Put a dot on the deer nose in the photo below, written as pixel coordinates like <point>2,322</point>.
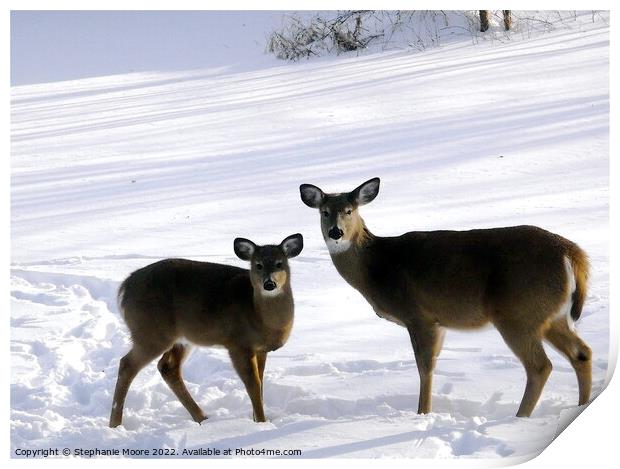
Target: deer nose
<point>269,285</point>
<point>335,233</point>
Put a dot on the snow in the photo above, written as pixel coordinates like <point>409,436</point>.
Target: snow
<point>112,173</point>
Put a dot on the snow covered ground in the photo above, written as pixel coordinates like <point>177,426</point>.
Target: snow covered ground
<point>112,173</point>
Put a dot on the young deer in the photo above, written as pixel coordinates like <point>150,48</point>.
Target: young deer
<point>175,301</point>
<point>529,283</point>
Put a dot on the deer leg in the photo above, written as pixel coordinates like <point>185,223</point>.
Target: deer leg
<point>246,365</point>
<point>578,353</point>
<point>527,346</point>
<point>128,368</point>
<point>261,358</point>
<point>169,367</point>
<point>426,341</point>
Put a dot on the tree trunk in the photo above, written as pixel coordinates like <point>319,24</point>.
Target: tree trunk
<point>507,19</point>
<point>484,20</point>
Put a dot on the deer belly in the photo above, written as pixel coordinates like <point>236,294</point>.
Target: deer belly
<point>458,319</point>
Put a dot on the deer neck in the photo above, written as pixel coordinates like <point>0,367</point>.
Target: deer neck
<point>275,311</point>
<point>350,263</point>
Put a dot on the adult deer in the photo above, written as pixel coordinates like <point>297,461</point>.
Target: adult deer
<point>529,283</point>
<point>175,301</point>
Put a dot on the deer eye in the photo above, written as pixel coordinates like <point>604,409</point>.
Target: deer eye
<point>279,265</point>
<point>348,212</point>
<point>259,266</point>
<point>325,213</point>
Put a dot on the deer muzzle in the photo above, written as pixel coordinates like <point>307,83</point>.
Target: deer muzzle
<point>335,233</point>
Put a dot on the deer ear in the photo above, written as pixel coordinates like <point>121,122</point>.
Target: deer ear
<point>366,192</point>
<point>292,245</point>
<point>244,248</point>
<point>311,195</point>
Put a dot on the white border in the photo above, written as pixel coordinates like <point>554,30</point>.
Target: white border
<point>591,441</point>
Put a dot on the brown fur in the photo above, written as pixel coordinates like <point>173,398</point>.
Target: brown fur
<point>514,278</point>
<point>207,304</point>
<point>581,267</point>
